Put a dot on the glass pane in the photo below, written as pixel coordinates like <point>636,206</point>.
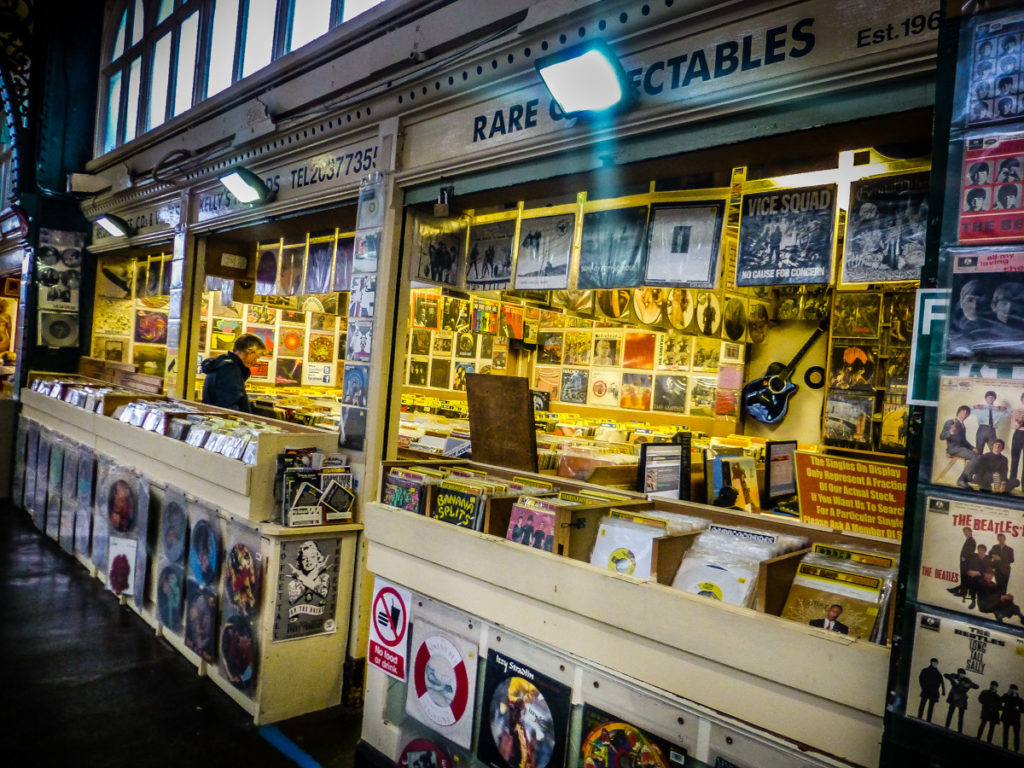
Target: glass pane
<point>310,19</point>
<point>137,22</point>
<point>131,110</point>
<point>159,77</point>
<point>259,35</point>
<point>354,7</point>
<point>186,63</point>
<point>113,112</point>
<point>119,40</point>
<point>222,46</point>
<point>166,6</point>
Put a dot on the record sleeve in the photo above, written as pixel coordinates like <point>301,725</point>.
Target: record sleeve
<point>439,251</point>
<point>990,210</point>
<point>707,354</point>
<point>525,717</point>
<point>727,582</point>
<point>817,590</point>
<point>544,251</point>
<point>682,243</point>
<point>550,345</point>
<point>848,419</point>
<point>853,365</point>
<point>625,547</point>
<point>489,259</point>
<point>968,556</point>
<point>856,314</point>
<point>973,673</point>
<point>55,477</point>
<point>674,351</point>
<point>442,685</point>
<point>991,94</point>
<point>638,350</point>
<point>120,572</point>
<point>574,387</point>
<point>69,498</point>
<point>603,735</point>
<point>648,304</point>
<point>986,318</point>
<point>532,527</point>
<point>420,342</point>
<point>636,391</point>
<point>702,395</point>
<point>670,393</point>
<point>615,304</point>
<point>577,348</point>
<point>238,642</point>
<point>549,380</point>
<point>605,387</point>
<point>612,248</point>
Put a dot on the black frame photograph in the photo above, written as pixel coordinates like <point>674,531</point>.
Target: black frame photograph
<point>683,242</point>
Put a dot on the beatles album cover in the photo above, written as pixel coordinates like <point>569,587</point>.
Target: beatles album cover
<point>544,251</point>
<point>856,314</point>
<point>525,717</point>
<point>885,229</point>
<point>419,368</point>
<point>994,89</point>
<point>990,210</point>
<point>967,678</point>
<point>612,248</point>
<point>603,735</point>
<point>787,236</point>
<point>459,378</point>
<point>489,259</point>
<point>968,558</point>
<point>986,316</point>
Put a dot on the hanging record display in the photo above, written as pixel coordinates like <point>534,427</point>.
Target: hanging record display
<point>525,718</point>
<point>612,248</point>
<point>489,260</point>
<point>121,499</point>
<point>442,687</point>
<point>238,647</point>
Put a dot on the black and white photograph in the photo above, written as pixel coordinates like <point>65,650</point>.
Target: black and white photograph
<point>544,251</point>
<point>440,250</point>
<point>885,229</point>
<point>682,243</point>
<point>612,248</point>
<point>489,255</point>
<point>986,315</point>
<point>993,95</point>
<point>787,236</point>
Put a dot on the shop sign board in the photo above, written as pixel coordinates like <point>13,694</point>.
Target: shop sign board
<point>312,176</point>
<point>851,494</point>
<point>152,220</point>
<point>931,312</point>
<point>389,629</point>
<point>777,50</point>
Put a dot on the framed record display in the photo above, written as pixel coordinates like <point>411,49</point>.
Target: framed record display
<point>442,683</point>
<point>787,237</point>
<point>885,229</point>
<point>489,256</point>
<point>439,251</point>
<point>848,419</point>
<point>544,251</point>
<point>611,248</point>
<point>525,717</point>
<point>682,243</point>
<point>853,365</point>
<point>990,210</point>
<point>986,318</point>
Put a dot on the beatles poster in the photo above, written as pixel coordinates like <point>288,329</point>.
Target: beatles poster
<point>489,258</point>
<point>990,192</point>
<point>682,244</point>
<point>986,317</point>
<point>885,229</point>
<point>525,716</point>
<point>307,588</point>
<point>995,87</point>
<point>968,679</point>
<point>544,252</point>
<point>612,248</point>
<point>968,557</point>
<point>786,237</point>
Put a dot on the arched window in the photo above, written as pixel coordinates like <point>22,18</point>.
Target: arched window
<point>164,56</point>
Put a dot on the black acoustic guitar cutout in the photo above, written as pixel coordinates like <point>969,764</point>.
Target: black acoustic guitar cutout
<point>766,399</point>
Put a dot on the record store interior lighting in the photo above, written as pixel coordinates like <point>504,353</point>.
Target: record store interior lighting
<point>115,226</point>
<point>246,186</point>
<point>586,79</point>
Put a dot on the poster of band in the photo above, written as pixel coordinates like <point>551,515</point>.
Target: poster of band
<point>489,259</point>
<point>307,588</point>
<point>968,557</point>
<point>682,244</point>
<point>440,249</point>
<point>524,718</point>
<point>787,237</point>
<point>990,191</point>
<point>977,436</point>
<point>885,229</point>
<point>612,248</point>
<point>986,317</point>
<point>544,252</point>
<point>967,678</point>
<point>994,88</point>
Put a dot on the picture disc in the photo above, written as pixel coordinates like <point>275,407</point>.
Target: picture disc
<point>59,329</point>
<point>421,753</point>
<point>519,713</point>
<point>238,649</point>
<point>241,581</point>
<point>441,680</point>
<point>121,505</point>
<point>174,532</point>
<point>715,581</point>
<point>170,596</point>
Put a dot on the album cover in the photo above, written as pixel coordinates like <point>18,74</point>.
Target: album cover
<point>638,350</point>
<point>318,267</point>
<point>675,351</point>
<point>577,348</point>
<point>459,376</point>
<point>977,418</point>
<point>786,237</point>
<point>307,588</point>
<point>758,321</point>
<point>204,550</point>
<point>990,210</point>
<point>707,314</point>
<point>574,387</point>
<point>525,717</point>
<point>895,427</point>
<point>356,385</point>
<point>68,498</point>
<point>549,347</point>
<point>856,314</point>
<point>670,393</point>
<point>362,296</point>
<point>682,243</point>
<point>418,371</point>
<point>489,260</point>
<point>612,248</point>
<point>732,482</point>
<point>238,648</point>
<point>897,368</point>
<point>853,365</point>
<point>443,343</point>
<point>55,477</point>
<point>603,735</point>
<point>426,310</point>
<point>615,304</point>
<point>605,387</point>
<point>974,673</point>
<point>994,88</point>
<point>441,692</point>
<point>465,345</point>
<point>899,314</point>
<point>706,354</point>
<point>170,596</point>
<point>986,316</point>
<point>456,317</point>
<point>544,251</point>
<point>734,318</point>
<point>679,309</point>
<point>648,304</point>
<point>510,322</point>
<point>532,526</point>
<point>359,342</point>
<point>485,346</point>
<point>968,556</point>
<point>120,571</point>
<point>288,372</point>
<point>458,507</point>
<point>849,601</point>
<point>848,419</point>
<point>365,251</point>
<point>500,355</point>
<point>885,229</point>
<point>440,372</point>
<point>84,511</point>
<point>485,315</point>
<point>404,493</point>
<point>702,395</point>
<point>115,278</point>
<point>636,391</point>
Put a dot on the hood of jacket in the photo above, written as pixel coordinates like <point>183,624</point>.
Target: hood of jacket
<point>211,364</point>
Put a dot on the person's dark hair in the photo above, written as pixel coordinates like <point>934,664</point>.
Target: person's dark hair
<point>975,194</point>
<point>991,393</point>
<point>1005,193</point>
<point>248,341</point>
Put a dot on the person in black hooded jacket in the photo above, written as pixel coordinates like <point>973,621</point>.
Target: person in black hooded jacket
<point>226,375</point>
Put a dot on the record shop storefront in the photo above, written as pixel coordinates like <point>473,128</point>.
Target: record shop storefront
<point>726,101</point>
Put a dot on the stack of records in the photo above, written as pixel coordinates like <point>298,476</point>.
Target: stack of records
<point>625,543</point>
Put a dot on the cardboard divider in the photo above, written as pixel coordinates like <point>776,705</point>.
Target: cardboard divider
<point>668,553</point>
<point>774,578</point>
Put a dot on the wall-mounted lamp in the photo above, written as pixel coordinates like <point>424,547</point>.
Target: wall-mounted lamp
<point>114,225</point>
<point>586,79</point>
<point>246,186</point>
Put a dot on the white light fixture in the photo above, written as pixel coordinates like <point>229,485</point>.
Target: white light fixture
<point>246,186</point>
<point>585,79</point>
<point>114,225</point>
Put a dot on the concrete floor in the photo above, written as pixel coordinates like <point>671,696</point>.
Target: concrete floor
<point>84,681</point>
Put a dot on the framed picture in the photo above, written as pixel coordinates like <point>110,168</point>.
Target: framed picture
<point>489,256</point>
<point>682,243</point>
<point>440,250</point>
<point>612,248</point>
<point>318,267</point>
<point>544,251</point>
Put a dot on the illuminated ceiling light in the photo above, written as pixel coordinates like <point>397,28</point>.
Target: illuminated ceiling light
<point>246,186</point>
<point>585,79</point>
<point>114,225</point>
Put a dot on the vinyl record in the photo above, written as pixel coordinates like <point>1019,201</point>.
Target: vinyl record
<point>175,532</point>
<point>58,329</point>
<point>726,583</point>
<point>238,650</point>
<point>122,504</point>
<point>170,595</point>
<point>421,753</point>
<point>241,580</point>
<point>441,680</point>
